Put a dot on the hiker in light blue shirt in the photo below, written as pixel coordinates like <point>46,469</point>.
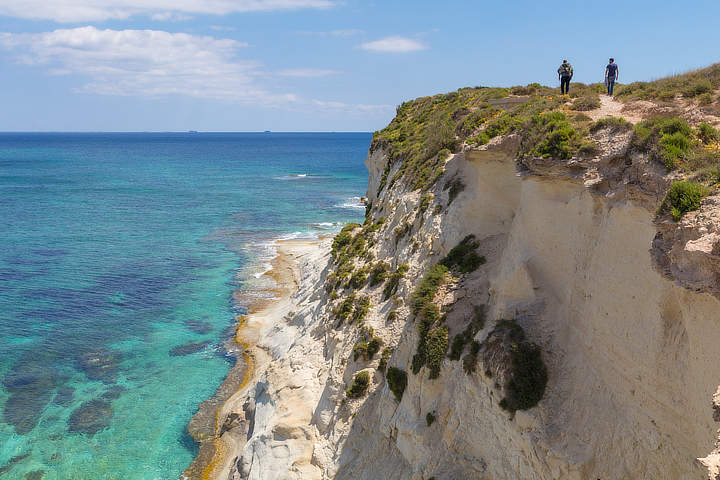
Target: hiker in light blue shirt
<point>612,74</point>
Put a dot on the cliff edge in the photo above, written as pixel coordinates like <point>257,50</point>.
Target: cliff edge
<point>533,294</point>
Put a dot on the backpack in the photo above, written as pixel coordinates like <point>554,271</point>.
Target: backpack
<point>565,69</point>
<point>612,70</point>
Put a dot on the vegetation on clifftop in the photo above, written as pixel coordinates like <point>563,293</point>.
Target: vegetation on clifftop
<point>427,130</point>
<point>690,85</point>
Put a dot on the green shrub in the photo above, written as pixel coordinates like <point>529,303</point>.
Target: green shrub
<point>457,347</point>
<point>425,200</point>
<point>690,84</point>
<point>397,382</point>
<point>527,375</point>
<point>345,309</point>
<point>667,139</point>
<point>430,418</point>
<point>367,350</point>
<point>359,386</point>
<point>528,380</point>
<point>378,273</point>
<point>394,280</point>
<point>707,133</point>
<point>698,87</point>
<point>463,256</point>
<point>425,292</point>
<point>373,347</point>
<point>331,282</point>
<point>588,102</point>
<point>550,135</point>
<point>470,360</point>
<point>343,238</point>
<point>461,339</point>
<point>440,137</point>
<point>436,348</point>
<point>401,231</point>
<point>613,123</point>
<point>433,340</point>
<point>705,99</point>
<point>455,186</point>
<point>384,358</point>
<point>359,278</point>
<point>683,197</point>
<point>674,147</point>
<point>362,306</point>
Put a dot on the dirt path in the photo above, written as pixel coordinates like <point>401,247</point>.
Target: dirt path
<point>609,107</point>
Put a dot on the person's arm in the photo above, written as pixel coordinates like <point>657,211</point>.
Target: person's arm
<point>617,73</point>
<point>606,72</point>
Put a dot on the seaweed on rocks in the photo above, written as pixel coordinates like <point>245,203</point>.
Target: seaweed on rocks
<point>91,417</point>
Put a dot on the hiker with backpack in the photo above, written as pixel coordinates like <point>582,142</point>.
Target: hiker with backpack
<point>612,74</point>
<point>565,74</point>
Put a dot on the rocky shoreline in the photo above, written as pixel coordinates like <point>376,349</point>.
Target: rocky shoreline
<point>221,424</point>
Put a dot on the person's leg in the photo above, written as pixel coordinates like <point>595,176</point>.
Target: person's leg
<point>564,85</point>
<point>611,86</point>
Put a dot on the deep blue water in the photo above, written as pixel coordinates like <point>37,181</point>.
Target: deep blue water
<point>116,248</point>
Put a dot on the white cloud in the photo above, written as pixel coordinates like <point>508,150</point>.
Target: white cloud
<point>306,72</point>
<point>94,10</point>
<point>170,17</point>
<point>394,44</point>
<point>334,33</point>
<point>352,107</point>
<point>146,63</point>
<point>222,28</point>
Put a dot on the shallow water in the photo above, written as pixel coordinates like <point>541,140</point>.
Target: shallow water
<point>119,254</point>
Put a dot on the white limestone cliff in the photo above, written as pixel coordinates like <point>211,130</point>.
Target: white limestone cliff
<point>623,307</point>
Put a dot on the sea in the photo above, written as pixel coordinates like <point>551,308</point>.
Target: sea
<point>119,257</point>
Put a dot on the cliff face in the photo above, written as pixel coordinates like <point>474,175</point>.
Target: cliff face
<point>622,306</point>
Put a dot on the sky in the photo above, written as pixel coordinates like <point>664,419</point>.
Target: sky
<point>313,65</point>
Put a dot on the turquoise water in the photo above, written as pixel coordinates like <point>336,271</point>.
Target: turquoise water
<point>115,250</point>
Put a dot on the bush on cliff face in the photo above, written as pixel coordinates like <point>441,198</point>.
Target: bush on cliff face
<point>359,386</point>
<point>345,309</point>
<point>362,306</point>
<point>384,358</point>
<point>477,322</point>
<point>378,273</point>
<point>394,280</point>
<point>463,257</point>
<point>433,342</point>
<point>528,379</point>
<point>397,382</point>
<point>683,197</point>
<point>526,374</point>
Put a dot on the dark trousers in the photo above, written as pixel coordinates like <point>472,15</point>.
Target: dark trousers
<point>610,85</point>
<point>564,84</point>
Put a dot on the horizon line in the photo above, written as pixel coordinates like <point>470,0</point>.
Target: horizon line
<point>194,132</point>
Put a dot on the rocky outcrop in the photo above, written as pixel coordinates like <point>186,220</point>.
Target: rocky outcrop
<point>689,251</point>
<point>620,305</point>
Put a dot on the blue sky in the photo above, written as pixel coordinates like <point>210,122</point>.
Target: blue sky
<point>312,65</point>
